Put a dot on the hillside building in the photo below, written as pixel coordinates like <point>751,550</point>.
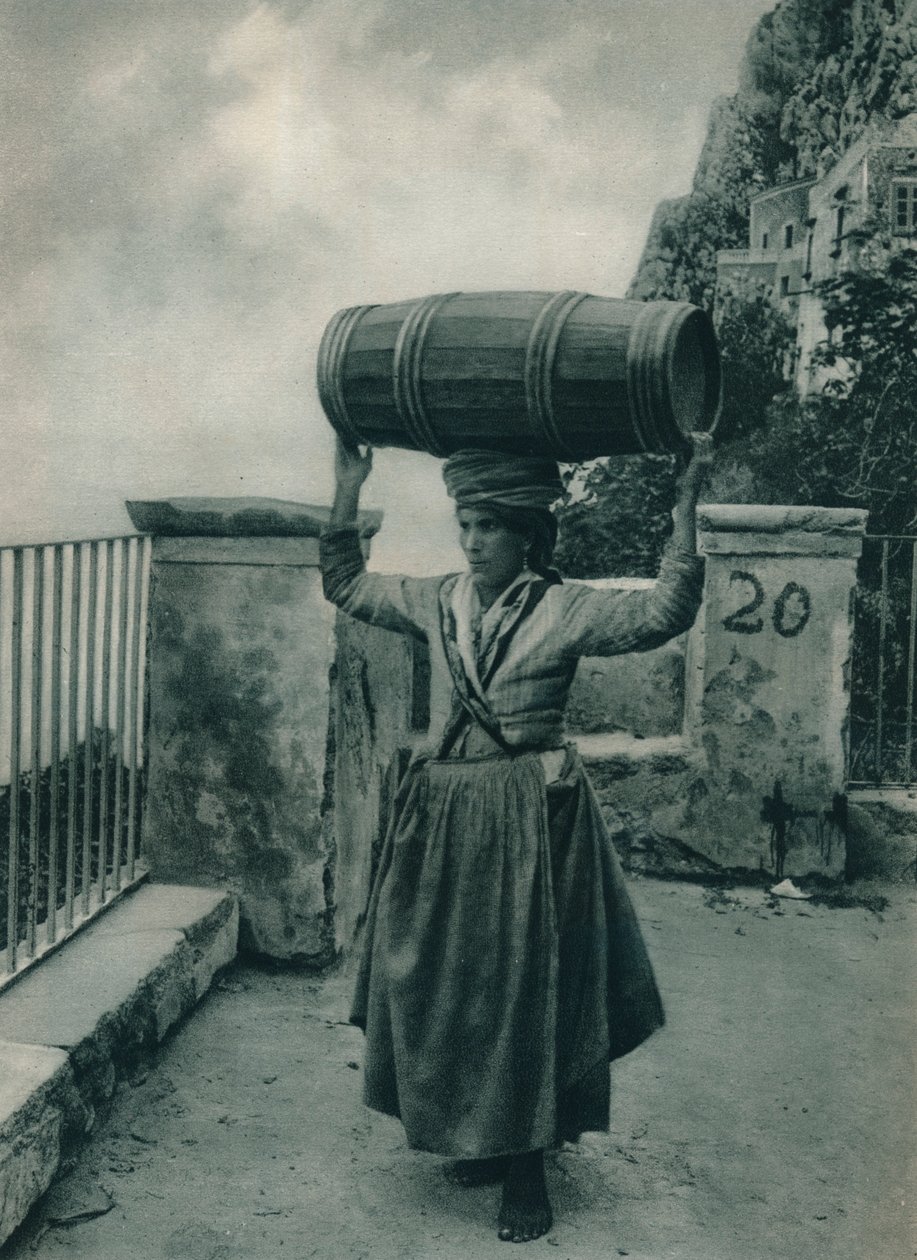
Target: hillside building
<point>805,232</point>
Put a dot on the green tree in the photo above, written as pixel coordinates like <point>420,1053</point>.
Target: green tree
<point>855,442</point>
<point>616,516</point>
<point>756,342</point>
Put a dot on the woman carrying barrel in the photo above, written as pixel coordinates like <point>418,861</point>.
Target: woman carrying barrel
<point>502,965</point>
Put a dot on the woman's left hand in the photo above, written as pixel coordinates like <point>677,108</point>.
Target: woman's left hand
<point>690,484</point>
<point>692,480</point>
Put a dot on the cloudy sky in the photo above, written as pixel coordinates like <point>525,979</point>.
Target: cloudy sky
<point>192,187</point>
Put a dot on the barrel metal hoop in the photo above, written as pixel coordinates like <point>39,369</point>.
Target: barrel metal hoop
<point>407,373</point>
<point>646,387</point>
<point>331,355</point>
<point>539,367</point>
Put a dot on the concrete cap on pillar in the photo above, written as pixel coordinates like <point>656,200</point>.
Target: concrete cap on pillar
<point>771,529</point>
<point>236,517</point>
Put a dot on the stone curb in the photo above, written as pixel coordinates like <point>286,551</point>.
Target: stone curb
<point>88,1014</point>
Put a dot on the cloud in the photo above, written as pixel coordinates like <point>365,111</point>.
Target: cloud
<point>193,189</point>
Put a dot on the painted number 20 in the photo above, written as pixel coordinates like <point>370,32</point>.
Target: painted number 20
<point>790,614</point>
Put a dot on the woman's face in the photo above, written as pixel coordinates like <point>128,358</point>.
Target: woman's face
<point>495,553</point>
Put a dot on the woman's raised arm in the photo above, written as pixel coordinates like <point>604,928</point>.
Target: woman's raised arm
<point>608,622</point>
<point>404,604</point>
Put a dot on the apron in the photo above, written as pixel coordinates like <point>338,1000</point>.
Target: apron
<point>502,965</point>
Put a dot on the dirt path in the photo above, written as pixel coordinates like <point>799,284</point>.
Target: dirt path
<point>773,1119</point>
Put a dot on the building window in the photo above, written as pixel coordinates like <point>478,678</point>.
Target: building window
<point>807,275</point>
<point>788,236</point>
<point>904,207</point>
<point>784,286</point>
<point>764,240</point>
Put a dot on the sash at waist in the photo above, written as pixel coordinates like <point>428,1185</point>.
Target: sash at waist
<point>476,742</point>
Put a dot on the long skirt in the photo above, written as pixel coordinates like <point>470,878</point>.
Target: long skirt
<point>502,963</point>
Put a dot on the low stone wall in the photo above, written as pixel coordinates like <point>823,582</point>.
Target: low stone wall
<point>731,741</point>
<point>643,692</point>
<point>882,834</point>
<point>88,1015</point>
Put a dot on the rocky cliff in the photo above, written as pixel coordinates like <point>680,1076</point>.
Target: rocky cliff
<point>816,74</point>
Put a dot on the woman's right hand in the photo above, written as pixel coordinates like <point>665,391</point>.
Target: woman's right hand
<point>351,467</point>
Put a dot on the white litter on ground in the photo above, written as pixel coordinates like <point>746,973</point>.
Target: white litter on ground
<point>786,888</point>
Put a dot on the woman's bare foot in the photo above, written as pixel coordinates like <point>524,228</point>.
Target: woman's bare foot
<point>477,1172</point>
<point>525,1213</point>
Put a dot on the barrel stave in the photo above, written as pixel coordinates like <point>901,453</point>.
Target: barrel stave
<point>589,385</point>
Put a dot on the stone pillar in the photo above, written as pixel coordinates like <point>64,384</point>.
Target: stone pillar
<point>768,685</point>
<point>241,649</point>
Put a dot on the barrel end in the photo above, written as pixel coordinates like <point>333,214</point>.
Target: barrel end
<point>674,377</point>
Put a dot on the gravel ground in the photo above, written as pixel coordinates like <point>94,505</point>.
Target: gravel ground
<point>773,1118</point>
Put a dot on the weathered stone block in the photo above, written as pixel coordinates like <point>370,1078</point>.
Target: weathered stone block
<point>641,693</point>
<point>240,656</point>
<point>773,530</point>
<point>103,1002</point>
<point>882,835</point>
<point>644,781</point>
<point>40,1113</point>
<point>768,687</point>
<point>28,1162</point>
<point>208,919</point>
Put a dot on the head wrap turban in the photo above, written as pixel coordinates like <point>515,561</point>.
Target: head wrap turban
<point>518,488</point>
<point>512,481</point>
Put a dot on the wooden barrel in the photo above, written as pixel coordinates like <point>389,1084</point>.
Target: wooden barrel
<point>566,374</point>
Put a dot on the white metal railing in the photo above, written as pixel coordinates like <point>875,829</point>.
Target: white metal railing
<point>72,669</point>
